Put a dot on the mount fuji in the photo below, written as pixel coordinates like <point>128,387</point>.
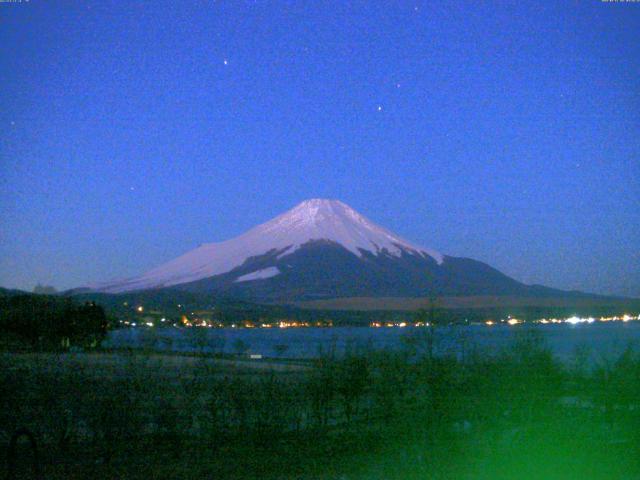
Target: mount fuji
<point>322,249</point>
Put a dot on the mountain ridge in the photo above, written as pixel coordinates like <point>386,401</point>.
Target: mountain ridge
<point>314,219</point>
<point>322,249</point>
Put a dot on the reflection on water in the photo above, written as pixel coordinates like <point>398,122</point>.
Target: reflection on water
<point>603,340</point>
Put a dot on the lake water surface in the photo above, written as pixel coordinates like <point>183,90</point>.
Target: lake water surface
<point>603,340</point>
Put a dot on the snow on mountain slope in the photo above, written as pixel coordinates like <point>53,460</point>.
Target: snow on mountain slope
<point>316,219</point>
<point>259,274</point>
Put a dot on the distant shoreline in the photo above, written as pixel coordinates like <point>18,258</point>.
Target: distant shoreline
<point>472,302</point>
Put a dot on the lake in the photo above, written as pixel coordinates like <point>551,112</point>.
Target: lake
<point>603,340</point>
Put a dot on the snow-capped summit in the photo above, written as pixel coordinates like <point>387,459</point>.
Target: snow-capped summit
<point>322,219</point>
<point>311,220</point>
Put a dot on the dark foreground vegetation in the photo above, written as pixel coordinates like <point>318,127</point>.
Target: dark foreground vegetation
<point>518,414</point>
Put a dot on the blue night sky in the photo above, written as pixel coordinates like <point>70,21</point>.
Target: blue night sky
<point>131,132</point>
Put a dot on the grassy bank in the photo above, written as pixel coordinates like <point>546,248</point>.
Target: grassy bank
<point>370,414</point>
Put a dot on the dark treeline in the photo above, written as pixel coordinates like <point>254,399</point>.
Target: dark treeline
<point>173,304</point>
<point>518,413</point>
<point>50,322</point>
